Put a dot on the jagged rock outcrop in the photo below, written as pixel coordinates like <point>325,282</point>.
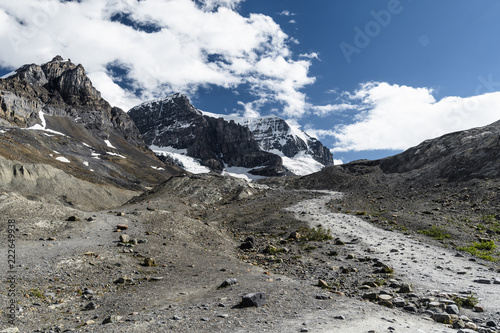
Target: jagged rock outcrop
<point>175,122</point>
<point>51,114</point>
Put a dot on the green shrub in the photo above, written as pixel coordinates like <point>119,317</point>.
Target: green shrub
<point>483,250</point>
<point>435,232</point>
<point>468,302</point>
<point>315,234</point>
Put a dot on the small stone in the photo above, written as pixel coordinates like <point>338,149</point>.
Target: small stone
<point>294,235</point>
<point>124,238</point>
<point>111,319</point>
<point>399,302</point>
<point>149,262</point>
<point>89,322</point>
<point>204,319</point>
<point>491,324</point>
<point>339,317</point>
<point>338,241</point>
<point>471,326</point>
<point>91,306</point>
<point>73,219</point>
<point>385,297</point>
<point>90,219</point>
<point>228,282</point>
<point>405,289</point>
<point>253,299</point>
<point>120,214</point>
<point>452,309</point>
<point>322,284</point>
<point>410,308</point>
<point>458,324</point>
<point>10,330</point>
<point>370,296</point>
<point>322,297</point>
<point>176,318</point>
<point>151,209</point>
<point>483,281</point>
<point>122,226</point>
<point>51,238</point>
<point>497,280</point>
<point>442,318</point>
<point>225,315</point>
<point>466,330</point>
<point>133,241</point>
<point>304,329</point>
<point>478,308</point>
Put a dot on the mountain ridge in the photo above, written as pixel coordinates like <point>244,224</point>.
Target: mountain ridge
<point>221,141</point>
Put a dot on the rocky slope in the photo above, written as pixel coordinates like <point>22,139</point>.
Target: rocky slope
<point>469,154</point>
<point>219,141</point>
<point>52,115</point>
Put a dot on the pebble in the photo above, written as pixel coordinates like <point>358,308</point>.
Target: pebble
<point>253,299</point>
<point>452,309</point>
<point>228,282</point>
<point>111,319</point>
<point>483,281</point>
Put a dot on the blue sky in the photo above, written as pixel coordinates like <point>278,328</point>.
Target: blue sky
<point>369,78</point>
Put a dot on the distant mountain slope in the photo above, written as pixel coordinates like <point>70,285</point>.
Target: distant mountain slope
<point>268,145</point>
<point>51,114</point>
<point>463,155</point>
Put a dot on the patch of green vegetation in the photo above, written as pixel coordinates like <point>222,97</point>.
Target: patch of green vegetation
<point>483,250</point>
<point>315,234</point>
<point>35,292</point>
<point>435,232</point>
<point>469,302</point>
<point>489,219</point>
<point>272,250</point>
<point>361,213</point>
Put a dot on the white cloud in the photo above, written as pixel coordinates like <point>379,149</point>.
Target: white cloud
<point>286,13</point>
<point>195,44</point>
<point>397,117</point>
<point>312,55</point>
<point>325,110</point>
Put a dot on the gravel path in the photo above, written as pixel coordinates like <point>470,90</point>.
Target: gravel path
<point>428,268</point>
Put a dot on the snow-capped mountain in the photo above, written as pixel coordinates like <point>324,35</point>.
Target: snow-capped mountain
<point>265,146</point>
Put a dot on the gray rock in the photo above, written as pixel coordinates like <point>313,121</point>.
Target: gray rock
<point>253,299</point>
<point>442,318</point>
<point>91,306</point>
<point>405,288</point>
<point>466,330</point>
<point>452,309</point>
<point>483,281</point>
<point>399,302</point>
<point>491,323</point>
<point>124,238</point>
<point>111,319</point>
<point>410,308</point>
<point>228,282</point>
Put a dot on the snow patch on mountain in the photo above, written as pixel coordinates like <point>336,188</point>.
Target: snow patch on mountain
<point>188,163</point>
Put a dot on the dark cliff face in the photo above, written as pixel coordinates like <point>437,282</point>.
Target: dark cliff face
<point>99,143</point>
<point>175,122</point>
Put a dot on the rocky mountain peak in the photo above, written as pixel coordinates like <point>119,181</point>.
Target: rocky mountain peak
<point>219,140</point>
<point>58,118</point>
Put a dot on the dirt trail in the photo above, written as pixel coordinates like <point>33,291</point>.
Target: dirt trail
<point>428,268</point>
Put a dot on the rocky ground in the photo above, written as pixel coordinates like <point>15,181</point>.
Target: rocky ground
<point>158,263</point>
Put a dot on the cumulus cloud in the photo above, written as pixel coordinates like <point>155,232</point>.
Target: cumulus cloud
<point>396,117</point>
<point>159,47</point>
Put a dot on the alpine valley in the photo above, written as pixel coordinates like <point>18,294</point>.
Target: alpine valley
<point>170,219</point>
